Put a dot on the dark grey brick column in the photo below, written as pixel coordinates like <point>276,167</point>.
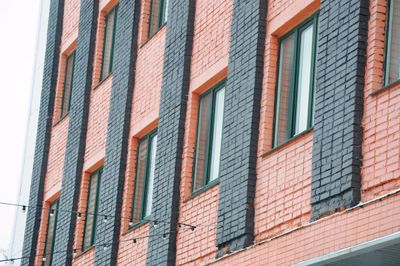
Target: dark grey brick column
<point>175,86</point>
<point>49,84</point>
<point>241,121</point>
<point>76,142</point>
<point>112,183</point>
<point>341,59</point>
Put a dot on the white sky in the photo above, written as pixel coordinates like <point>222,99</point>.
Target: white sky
<point>18,28</point>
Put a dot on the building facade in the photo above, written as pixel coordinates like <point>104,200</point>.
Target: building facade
<point>218,132</point>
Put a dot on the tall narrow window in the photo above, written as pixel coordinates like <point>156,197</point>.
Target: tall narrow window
<point>209,137</point>
<point>109,39</point>
<point>51,234</point>
<point>69,75</point>
<point>158,15</point>
<point>144,181</point>
<point>89,236</point>
<point>393,43</point>
<point>295,83</point>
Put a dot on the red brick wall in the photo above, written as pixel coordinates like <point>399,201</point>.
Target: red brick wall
<point>147,91</point>
<point>70,22</point>
<point>283,188</point>
<point>327,235</point>
<point>131,253</point>
<point>212,29</point>
<point>96,133</point>
<point>144,117</point>
<point>42,234</point>
<point>98,117</point>
<point>59,133</point>
<point>208,67</point>
<point>381,121</point>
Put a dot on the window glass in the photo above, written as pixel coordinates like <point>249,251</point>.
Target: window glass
<point>66,99</point>
<point>304,80</point>
<point>144,180</point>
<point>217,134</point>
<point>139,179</point>
<point>202,140</point>
<point>283,93</point>
<point>51,233</point>
<point>89,236</point>
<point>393,43</point>
<point>109,37</point>
<point>295,81</point>
<point>158,15</point>
<point>209,137</point>
<point>150,176</point>
<point>165,12</point>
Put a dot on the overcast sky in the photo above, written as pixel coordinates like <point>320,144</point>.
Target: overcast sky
<point>18,28</point>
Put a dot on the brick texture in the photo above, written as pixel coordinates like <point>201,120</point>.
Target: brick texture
<point>209,62</point>
<point>175,86</point>
<point>381,120</point>
<point>240,131</point>
<point>144,118</point>
<point>112,183</point>
<point>50,74</point>
<point>77,129</point>
<point>341,58</point>
<point>339,231</point>
<point>296,211</point>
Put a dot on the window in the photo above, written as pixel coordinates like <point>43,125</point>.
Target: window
<point>209,137</point>
<point>69,75</point>
<point>145,164</point>
<point>295,83</point>
<point>392,68</point>
<point>158,15</point>
<point>51,234</point>
<point>89,234</point>
<point>108,48</point>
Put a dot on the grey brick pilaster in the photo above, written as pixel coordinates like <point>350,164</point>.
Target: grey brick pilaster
<point>76,142</point>
<point>341,59</point>
<point>241,122</point>
<point>49,85</point>
<point>175,86</point>
<point>112,183</point>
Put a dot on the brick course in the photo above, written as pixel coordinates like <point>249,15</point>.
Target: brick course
<point>118,129</point>
<point>175,86</point>
<point>340,70</point>
<point>157,85</point>
<point>240,131</point>
<point>41,155</point>
<point>77,129</point>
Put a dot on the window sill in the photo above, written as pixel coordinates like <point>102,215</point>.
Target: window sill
<point>135,226</point>
<point>62,118</point>
<point>83,252</point>
<point>103,81</point>
<point>387,87</point>
<point>203,189</point>
<point>287,142</point>
<point>150,37</point>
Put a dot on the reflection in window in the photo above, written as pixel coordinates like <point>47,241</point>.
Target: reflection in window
<point>51,234</point>
<point>89,234</point>
<point>69,74</point>
<point>209,137</point>
<point>294,94</point>
<point>144,180</point>
<point>158,15</point>
<point>393,43</point>
<point>109,39</point>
